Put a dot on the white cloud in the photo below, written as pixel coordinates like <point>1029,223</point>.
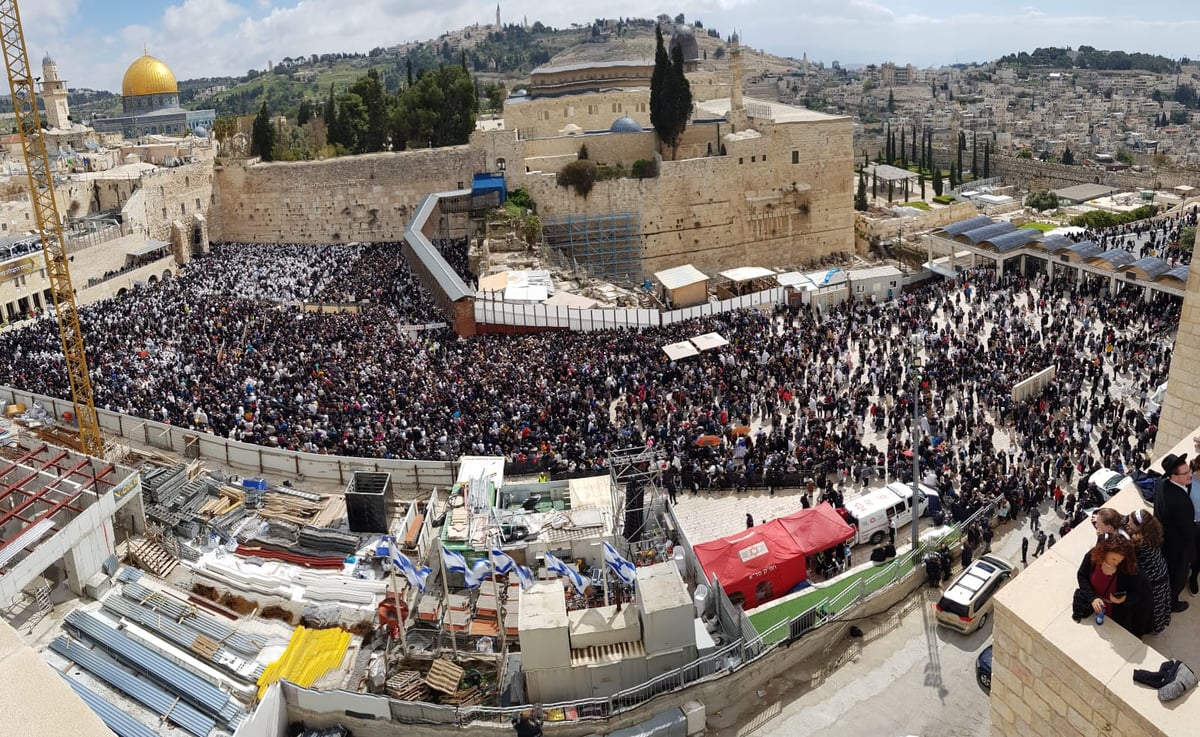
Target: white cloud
<point>200,38</point>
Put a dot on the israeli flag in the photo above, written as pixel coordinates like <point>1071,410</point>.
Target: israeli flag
<point>473,575</point>
<point>416,576</point>
<point>506,565</point>
<point>625,570</point>
<point>578,580</point>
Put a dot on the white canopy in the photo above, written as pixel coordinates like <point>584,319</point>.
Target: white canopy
<point>746,273</point>
<point>708,341</point>
<point>677,351</point>
<point>680,276</point>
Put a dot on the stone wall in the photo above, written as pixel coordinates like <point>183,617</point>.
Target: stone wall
<point>1181,408</point>
<point>753,206</point>
<point>936,217</point>
<point>1054,677</point>
<point>1032,174</point>
<point>352,198</point>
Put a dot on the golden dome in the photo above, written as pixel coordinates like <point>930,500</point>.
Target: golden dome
<point>148,76</point>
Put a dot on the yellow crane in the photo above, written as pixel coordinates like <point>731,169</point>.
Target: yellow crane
<point>49,226</point>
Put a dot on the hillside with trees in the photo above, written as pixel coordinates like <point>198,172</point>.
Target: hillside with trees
<point>1087,57</point>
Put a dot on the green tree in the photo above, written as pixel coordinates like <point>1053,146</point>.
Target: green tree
<point>1068,157</point>
<point>670,94</point>
<point>903,151</point>
<point>330,112</point>
<point>974,156</point>
<point>495,94</point>
<point>938,186</point>
<point>922,177</point>
<point>913,154</point>
<point>262,135</point>
<point>305,113</point>
<point>987,160</point>
<point>374,129</point>
<point>1042,200</point>
<point>439,110</point>
<point>1187,239</point>
<point>860,197</point>
<point>891,103</point>
<point>962,146</point>
<point>1124,155</point>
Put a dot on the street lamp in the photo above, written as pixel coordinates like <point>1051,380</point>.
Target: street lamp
<point>916,445</point>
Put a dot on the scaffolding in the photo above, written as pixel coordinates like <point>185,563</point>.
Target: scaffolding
<point>607,247</point>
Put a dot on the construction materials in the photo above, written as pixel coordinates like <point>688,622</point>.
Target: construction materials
<point>115,719</point>
<point>169,675</point>
<point>310,654</point>
<point>161,702</point>
<point>444,676</point>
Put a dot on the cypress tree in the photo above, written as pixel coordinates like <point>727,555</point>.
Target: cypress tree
<point>903,151</point>
<point>975,156</point>
<point>262,135</point>
<point>937,182</point>
<point>330,113</point>
<point>913,156</point>
<point>987,160</point>
<point>860,197</point>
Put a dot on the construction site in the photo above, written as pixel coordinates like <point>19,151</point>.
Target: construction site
<point>169,594</point>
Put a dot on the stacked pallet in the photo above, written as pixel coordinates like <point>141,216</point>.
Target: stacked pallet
<point>407,685</point>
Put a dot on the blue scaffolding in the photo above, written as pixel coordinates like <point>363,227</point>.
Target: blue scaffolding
<point>607,247</point>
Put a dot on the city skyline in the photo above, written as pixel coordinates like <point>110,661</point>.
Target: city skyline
<point>93,42</point>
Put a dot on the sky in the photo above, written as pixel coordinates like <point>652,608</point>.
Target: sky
<point>94,41</point>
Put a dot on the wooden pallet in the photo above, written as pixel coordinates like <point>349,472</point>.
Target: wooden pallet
<point>205,646</point>
<point>151,556</point>
<point>407,685</point>
<point>444,676</point>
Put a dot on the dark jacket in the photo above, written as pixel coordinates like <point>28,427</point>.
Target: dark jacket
<point>1173,508</point>
<point>1135,614</point>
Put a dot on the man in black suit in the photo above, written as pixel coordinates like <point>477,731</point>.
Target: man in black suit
<point>1173,508</point>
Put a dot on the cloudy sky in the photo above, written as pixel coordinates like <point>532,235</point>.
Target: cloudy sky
<point>93,41</point>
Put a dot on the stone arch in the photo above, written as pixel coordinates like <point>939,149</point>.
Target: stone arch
<point>122,292</point>
<point>166,275</point>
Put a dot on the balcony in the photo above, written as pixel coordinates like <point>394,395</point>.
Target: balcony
<point>1055,677</point>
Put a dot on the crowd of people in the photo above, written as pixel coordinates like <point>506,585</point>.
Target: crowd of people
<point>824,398</point>
<point>1158,237</point>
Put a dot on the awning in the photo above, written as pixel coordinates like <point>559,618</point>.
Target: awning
<point>746,273</point>
<point>677,351</point>
<point>708,341</point>
<point>148,248</point>
<point>680,276</point>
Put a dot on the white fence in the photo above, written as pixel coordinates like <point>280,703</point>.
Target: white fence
<point>409,478</point>
<point>540,316</point>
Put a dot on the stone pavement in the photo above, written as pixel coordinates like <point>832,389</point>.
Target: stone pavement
<point>709,515</point>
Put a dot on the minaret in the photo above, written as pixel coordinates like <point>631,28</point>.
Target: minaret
<point>54,96</point>
<point>737,108</point>
<point>497,16</point>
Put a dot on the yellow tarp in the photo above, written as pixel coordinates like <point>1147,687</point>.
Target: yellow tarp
<point>310,654</point>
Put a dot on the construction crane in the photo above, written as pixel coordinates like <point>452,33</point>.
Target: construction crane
<point>49,227</point>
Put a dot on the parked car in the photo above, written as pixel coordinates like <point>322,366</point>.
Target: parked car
<point>983,670</point>
<point>1108,481</point>
<point>967,601</point>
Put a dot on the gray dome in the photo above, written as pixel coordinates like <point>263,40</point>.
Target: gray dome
<point>625,124</point>
<point>47,60</point>
<point>684,36</point>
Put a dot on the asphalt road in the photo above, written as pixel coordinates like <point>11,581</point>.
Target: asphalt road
<point>911,677</point>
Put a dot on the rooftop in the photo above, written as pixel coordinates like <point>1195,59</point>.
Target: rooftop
<point>776,112</point>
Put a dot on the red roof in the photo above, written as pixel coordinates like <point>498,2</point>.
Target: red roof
<point>768,560</point>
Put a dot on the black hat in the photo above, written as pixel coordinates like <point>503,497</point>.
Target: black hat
<point>1172,462</point>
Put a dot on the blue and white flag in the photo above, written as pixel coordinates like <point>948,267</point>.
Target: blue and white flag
<point>505,565</point>
<point>416,576</point>
<point>578,580</point>
<point>474,575</point>
<point>625,570</point>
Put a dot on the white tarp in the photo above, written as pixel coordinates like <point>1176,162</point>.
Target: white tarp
<point>708,341</point>
<point>677,351</point>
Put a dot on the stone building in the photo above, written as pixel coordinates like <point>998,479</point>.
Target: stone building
<point>150,101</point>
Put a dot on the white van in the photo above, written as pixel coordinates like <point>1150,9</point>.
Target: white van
<point>869,513</point>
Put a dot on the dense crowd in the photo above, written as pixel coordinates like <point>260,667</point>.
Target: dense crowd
<point>225,348</point>
<point>1158,237</point>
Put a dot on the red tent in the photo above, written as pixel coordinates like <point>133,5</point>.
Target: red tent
<point>767,561</point>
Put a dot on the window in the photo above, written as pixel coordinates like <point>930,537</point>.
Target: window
<point>740,161</point>
<point>570,111</point>
<point>593,109</point>
<point>182,209</point>
<point>501,164</point>
<point>753,159</point>
<point>197,204</point>
<point>164,213</point>
<point>796,157</point>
